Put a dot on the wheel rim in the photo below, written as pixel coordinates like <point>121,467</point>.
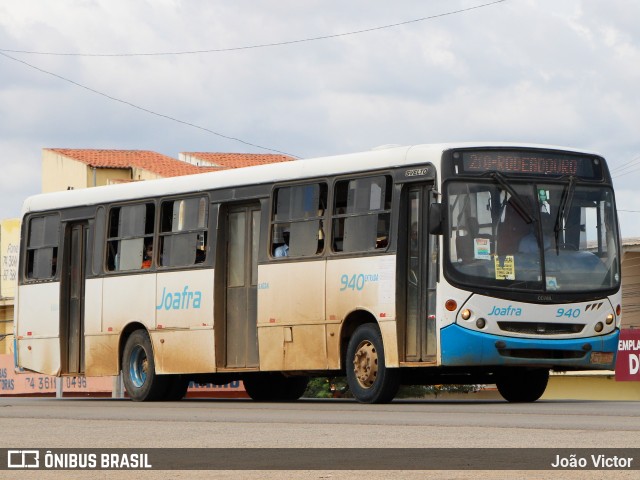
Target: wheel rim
<point>365,364</point>
<point>138,365</point>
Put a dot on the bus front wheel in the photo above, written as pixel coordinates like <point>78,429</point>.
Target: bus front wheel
<point>522,385</point>
<point>369,379</point>
<point>138,369</point>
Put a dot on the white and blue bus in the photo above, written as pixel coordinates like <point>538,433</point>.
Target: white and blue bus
<point>488,263</point>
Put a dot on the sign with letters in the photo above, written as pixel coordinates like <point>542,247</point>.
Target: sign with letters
<point>628,359</point>
<point>9,247</point>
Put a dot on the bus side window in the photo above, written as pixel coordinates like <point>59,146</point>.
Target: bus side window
<point>183,232</point>
<point>42,247</point>
<point>130,229</point>
<point>297,224</point>
<point>361,214</point>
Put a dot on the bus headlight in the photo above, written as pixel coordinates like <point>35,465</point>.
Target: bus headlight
<point>481,323</point>
<point>599,326</point>
<point>609,319</point>
<point>466,314</point>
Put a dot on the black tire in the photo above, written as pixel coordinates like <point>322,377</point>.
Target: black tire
<point>369,379</point>
<point>274,387</point>
<point>520,386</point>
<point>139,370</point>
<point>177,388</point>
<point>292,388</point>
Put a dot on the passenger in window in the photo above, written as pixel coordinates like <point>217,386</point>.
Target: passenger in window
<point>283,250</point>
<point>200,255</point>
<point>320,237</point>
<point>530,244</point>
<point>382,238</point>
<point>54,262</point>
<point>382,242</point>
<point>148,255</point>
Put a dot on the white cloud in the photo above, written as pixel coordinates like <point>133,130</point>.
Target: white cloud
<point>536,70</point>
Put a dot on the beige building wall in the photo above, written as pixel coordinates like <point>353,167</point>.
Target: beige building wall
<point>60,172</point>
<point>142,174</point>
<point>631,288</point>
<point>590,386</point>
<point>107,176</point>
<point>9,247</point>
<point>6,326</point>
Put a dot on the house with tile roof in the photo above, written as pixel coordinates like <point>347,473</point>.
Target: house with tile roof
<point>231,160</point>
<point>72,168</point>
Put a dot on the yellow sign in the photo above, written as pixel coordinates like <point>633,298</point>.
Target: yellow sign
<point>506,271</point>
<point>9,248</point>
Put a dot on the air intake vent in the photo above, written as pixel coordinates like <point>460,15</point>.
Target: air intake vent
<point>541,354</point>
<point>539,328</point>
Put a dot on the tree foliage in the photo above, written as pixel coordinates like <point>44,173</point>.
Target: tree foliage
<point>336,387</point>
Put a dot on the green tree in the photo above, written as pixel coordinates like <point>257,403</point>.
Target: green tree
<point>327,387</point>
<point>336,387</point>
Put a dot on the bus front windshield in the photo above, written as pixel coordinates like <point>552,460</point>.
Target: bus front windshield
<point>552,238</point>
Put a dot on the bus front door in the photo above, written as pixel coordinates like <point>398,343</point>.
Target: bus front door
<point>72,299</point>
<point>243,239</point>
<point>421,275</point>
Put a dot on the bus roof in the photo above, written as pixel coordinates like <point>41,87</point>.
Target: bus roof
<point>255,175</point>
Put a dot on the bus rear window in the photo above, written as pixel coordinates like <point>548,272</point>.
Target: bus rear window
<point>42,247</point>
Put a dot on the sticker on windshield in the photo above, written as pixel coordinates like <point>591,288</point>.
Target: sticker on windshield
<point>552,283</point>
<point>481,249</point>
<point>506,271</point>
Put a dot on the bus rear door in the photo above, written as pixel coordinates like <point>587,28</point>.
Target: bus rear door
<point>243,235</point>
<point>72,298</point>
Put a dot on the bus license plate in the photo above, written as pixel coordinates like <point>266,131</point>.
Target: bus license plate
<point>601,357</point>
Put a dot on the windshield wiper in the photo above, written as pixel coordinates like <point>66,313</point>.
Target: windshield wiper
<point>563,210</point>
<point>517,202</point>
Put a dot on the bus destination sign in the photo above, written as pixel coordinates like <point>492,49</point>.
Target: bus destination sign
<point>528,163</point>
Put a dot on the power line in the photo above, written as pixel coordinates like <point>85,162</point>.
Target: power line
<point>628,167</point>
<point>619,170</point>
<point>620,173</point>
<point>168,117</point>
<point>264,45</point>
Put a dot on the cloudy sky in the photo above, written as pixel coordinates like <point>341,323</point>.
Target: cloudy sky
<point>544,71</point>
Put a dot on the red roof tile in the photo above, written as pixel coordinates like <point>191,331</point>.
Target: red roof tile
<point>237,160</point>
<point>144,159</point>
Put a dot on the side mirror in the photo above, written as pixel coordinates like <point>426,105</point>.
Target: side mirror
<point>436,219</point>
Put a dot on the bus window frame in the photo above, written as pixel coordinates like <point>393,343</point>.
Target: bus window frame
<point>507,292</point>
<point>107,239</point>
<point>56,254</point>
<point>206,229</point>
<point>390,182</point>
<point>273,223</point>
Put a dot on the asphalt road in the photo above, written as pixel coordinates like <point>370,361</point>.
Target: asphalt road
<point>206,423</point>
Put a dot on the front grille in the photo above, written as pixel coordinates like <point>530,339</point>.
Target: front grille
<point>541,354</point>
<point>538,328</point>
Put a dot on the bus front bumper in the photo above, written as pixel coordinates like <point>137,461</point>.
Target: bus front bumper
<point>464,347</point>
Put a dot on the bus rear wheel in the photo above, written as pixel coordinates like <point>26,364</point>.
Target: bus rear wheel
<point>274,387</point>
<point>369,379</point>
<point>521,385</point>
<point>138,369</point>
